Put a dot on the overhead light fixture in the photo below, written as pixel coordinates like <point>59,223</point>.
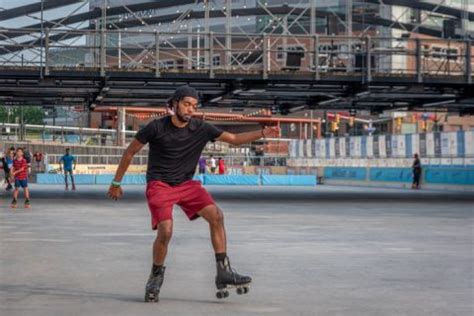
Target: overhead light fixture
<point>296,109</point>
<point>331,101</point>
<point>216,99</point>
<point>439,103</point>
<point>362,94</point>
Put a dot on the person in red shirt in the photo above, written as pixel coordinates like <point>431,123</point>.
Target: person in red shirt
<point>221,166</point>
<point>20,174</point>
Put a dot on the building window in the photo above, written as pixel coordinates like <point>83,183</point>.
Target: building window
<point>216,60</point>
<point>202,62</point>
<point>167,64</point>
<point>281,53</point>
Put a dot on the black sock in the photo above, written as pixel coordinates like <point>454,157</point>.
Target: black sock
<point>157,269</point>
<point>220,257</point>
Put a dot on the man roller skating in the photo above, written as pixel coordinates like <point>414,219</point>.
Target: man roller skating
<point>175,146</point>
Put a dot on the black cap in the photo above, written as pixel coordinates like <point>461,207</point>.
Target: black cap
<point>184,91</point>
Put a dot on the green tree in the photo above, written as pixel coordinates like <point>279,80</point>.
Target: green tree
<point>31,114</point>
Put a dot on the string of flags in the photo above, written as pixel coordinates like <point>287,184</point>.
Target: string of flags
<point>147,116</point>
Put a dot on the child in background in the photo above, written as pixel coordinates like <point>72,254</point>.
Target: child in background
<point>20,174</point>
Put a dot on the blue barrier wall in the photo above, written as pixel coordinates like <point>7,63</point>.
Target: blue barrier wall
<point>231,180</point>
<point>127,179</point>
<point>460,176</point>
<point>44,178</point>
<point>456,176</point>
<point>289,180</point>
<point>391,174</point>
<point>349,173</point>
<point>205,179</point>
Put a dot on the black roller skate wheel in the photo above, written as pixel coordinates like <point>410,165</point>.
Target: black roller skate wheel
<point>219,295</point>
<point>151,298</point>
<point>246,289</point>
<point>240,290</point>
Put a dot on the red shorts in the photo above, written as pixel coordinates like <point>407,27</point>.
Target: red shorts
<point>189,195</point>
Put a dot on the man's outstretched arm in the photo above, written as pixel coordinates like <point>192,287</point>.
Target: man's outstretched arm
<point>115,191</point>
<point>247,137</point>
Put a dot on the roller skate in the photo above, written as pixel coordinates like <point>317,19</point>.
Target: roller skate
<point>153,285</point>
<point>27,203</point>
<point>14,203</point>
<point>227,278</point>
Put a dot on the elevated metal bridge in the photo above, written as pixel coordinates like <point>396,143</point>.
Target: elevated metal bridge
<point>288,66</point>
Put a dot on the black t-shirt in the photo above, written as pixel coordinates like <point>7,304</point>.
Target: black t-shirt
<point>417,165</point>
<point>174,152</point>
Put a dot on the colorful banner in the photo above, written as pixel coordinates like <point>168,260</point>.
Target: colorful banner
<point>422,145</point>
<point>357,146</point>
<point>363,148</point>
<point>430,146</point>
<point>415,144</point>
<point>469,143</point>
<point>376,147</point>
<point>322,153</point>
<point>332,148</point>
<point>308,149</point>
<point>370,146</point>
<point>408,145</point>
<point>293,148</point>
<point>327,148</point>
<point>382,147</point>
<point>458,144</point>
<point>301,148</point>
<point>348,147</point>
<point>437,144</point>
<point>460,140</point>
<point>388,146</point>
<point>342,147</point>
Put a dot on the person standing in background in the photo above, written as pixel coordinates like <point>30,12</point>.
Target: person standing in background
<point>213,164</point>
<point>221,166</point>
<point>38,159</point>
<point>202,165</point>
<point>416,172</point>
<point>68,161</point>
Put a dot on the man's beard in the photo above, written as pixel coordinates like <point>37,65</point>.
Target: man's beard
<point>182,118</point>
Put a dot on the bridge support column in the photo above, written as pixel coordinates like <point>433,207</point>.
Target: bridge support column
<point>157,55</point>
<point>316,57</point>
<point>468,62</point>
<point>211,52</point>
<point>46,53</point>
<point>121,116</point>
<point>419,64</point>
<point>265,57</point>
<point>368,47</point>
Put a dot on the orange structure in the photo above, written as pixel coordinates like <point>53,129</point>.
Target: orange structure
<point>261,116</point>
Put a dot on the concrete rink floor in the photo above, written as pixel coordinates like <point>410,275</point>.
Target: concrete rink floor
<point>311,251</point>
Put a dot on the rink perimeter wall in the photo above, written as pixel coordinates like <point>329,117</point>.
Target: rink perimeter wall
<point>457,178</point>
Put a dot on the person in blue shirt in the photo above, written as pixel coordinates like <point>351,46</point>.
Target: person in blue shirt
<point>67,161</point>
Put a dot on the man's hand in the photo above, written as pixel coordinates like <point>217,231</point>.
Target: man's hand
<point>115,192</point>
<point>271,131</point>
